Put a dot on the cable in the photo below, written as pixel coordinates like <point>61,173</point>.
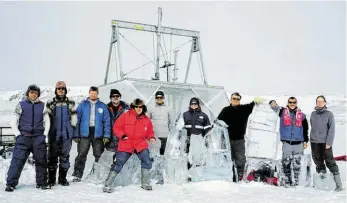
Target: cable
<point>136,48</point>
<point>159,57</point>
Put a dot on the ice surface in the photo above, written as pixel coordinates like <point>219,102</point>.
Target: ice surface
<point>218,164</point>
<point>197,150</point>
<point>176,170</point>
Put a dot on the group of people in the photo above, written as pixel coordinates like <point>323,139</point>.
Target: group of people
<point>125,129</point>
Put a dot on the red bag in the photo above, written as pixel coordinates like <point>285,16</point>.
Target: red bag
<point>340,158</point>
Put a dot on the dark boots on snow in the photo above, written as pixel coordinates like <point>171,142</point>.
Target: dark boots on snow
<point>52,176</point>
<point>10,188</point>
<point>44,186</point>
<point>62,177</point>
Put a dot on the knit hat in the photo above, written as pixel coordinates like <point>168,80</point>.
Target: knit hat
<point>115,91</point>
<point>60,84</point>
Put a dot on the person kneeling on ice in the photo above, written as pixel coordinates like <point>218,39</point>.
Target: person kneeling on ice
<point>322,137</point>
<point>132,128</point>
<point>294,136</point>
<point>30,126</point>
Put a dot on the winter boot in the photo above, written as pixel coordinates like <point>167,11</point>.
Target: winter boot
<point>109,181</point>
<point>62,177</point>
<point>77,176</point>
<point>52,176</point>
<point>338,182</point>
<point>10,188</point>
<point>76,179</point>
<point>145,179</point>
<point>44,186</point>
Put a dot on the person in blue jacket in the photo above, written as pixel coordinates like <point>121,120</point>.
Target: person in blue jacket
<point>93,128</point>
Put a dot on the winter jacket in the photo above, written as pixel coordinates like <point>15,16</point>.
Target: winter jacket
<point>31,119</point>
<point>236,117</point>
<point>296,132</point>
<point>137,128</point>
<point>322,127</point>
<point>102,120</point>
<point>63,118</point>
<point>162,118</point>
<point>196,122</point>
<point>116,113</point>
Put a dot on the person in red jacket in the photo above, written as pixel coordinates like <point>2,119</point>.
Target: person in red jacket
<point>133,128</point>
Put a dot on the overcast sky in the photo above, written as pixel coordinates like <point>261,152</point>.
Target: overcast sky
<point>252,47</point>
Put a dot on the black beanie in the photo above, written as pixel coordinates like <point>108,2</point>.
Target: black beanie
<point>115,91</point>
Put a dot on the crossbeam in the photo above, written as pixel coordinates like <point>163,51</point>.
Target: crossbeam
<point>153,28</point>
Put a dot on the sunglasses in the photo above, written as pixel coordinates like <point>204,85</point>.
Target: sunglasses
<point>159,98</point>
<point>138,107</point>
<point>61,88</point>
<point>238,99</point>
<point>115,96</point>
<point>33,92</point>
<point>292,102</point>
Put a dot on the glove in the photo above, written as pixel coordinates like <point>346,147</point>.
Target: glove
<point>105,140</point>
<point>258,100</point>
<point>77,140</point>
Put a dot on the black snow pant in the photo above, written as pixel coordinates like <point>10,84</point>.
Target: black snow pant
<point>83,147</point>
<point>24,145</point>
<point>238,157</point>
<point>321,155</point>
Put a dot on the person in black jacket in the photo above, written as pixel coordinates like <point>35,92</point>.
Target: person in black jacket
<point>196,122</point>
<point>236,116</point>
